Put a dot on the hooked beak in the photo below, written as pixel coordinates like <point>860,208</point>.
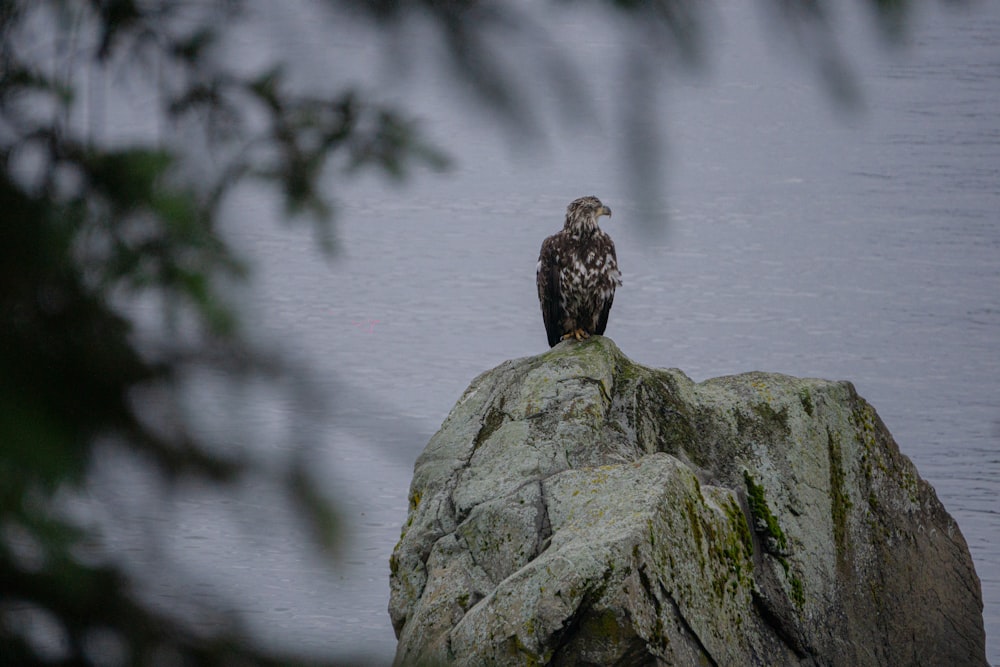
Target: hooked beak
<point>604,211</point>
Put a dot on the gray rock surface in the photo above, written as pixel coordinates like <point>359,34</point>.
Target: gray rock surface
<point>579,509</point>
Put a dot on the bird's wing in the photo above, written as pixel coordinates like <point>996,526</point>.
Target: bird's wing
<point>549,290</point>
<point>602,322</point>
<point>613,280</point>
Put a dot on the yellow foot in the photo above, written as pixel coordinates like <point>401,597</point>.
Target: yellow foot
<point>578,334</point>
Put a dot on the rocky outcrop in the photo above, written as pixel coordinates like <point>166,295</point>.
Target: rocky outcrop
<point>579,509</point>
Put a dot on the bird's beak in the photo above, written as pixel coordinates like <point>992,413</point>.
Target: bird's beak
<point>605,211</point>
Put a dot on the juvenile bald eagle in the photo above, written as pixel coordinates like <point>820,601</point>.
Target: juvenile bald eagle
<point>577,274</point>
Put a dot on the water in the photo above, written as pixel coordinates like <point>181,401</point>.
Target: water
<point>800,240</point>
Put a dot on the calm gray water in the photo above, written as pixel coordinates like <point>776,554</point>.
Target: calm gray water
<point>800,240</point>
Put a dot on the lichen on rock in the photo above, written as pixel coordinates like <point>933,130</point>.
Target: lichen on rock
<point>576,508</point>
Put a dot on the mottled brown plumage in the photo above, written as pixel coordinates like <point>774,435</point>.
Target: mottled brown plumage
<point>577,274</point>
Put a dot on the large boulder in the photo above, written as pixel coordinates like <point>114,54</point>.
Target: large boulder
<point>579,509</point>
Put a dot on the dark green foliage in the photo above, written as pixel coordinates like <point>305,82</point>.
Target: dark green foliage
<point>87,229</point>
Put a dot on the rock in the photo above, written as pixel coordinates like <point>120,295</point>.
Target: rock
<point>579,509</point>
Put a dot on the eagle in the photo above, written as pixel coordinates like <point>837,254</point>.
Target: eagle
<point>577,274</point>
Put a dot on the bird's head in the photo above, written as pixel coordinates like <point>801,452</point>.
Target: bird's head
<point>582,213</point>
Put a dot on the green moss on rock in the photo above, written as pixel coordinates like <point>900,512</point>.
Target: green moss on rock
<point>798,594</point>
<point>840,503</point>
<point>764,519</point>
<point>805,398</point>
<point>739,525</point>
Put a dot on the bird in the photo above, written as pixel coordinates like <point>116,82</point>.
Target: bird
<point>577,274</point>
